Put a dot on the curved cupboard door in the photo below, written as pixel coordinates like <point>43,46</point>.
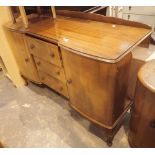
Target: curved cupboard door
<point>96,89</point>
<point>24,59</point>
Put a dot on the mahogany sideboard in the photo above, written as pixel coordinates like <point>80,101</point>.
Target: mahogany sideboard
<point>85,57</point>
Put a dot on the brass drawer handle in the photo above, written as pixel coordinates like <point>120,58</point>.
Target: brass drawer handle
<point>61,88</point>
<point>152,124</point>
<point>69,81</point>
<point>32,46</point>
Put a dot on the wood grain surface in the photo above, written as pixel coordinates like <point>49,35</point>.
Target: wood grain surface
<point>105,39</point>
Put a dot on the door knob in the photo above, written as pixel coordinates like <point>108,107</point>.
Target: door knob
<point>61,89</point>
<point>58,73</point>
<point>52,55</point>
<point>32,46</point>
<point>26,59</point>
<point>38,63</point>
<point>69,81</point>
<point>152,124</point>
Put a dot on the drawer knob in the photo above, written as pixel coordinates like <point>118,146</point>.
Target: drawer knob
<point>26,59</point>
<point>128,17</point>
<point>43,78</point>
<point>58,73</point>
<point>152,124</point>
<point>52,55</point>
<point>32,46</point>
<point>130,7</point>
<point>69,81</point>
<point>61,88</point>
<point>38,63</point>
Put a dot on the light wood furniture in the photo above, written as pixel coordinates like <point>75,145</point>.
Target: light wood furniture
<point>86,58</point>
<point>142,123</point>
<point>24,59</point>
<point>143,14</point>
<point>47,57</point>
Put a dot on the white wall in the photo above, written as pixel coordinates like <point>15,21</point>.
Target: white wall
<point>6,52</point>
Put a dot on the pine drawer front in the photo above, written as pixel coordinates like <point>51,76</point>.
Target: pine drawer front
<point>54,83</point>
<point>143,10</point>
<point>47,51</point>
<point>52,70</point>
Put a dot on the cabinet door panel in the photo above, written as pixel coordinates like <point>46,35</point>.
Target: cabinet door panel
<point>87,89</point>
<point>97,89</point>
<point>24,59</point>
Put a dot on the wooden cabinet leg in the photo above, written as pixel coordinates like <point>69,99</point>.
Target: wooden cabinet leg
<point>131,108</point>
<point>109,140</point>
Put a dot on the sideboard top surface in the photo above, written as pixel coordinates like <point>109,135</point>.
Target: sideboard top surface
<point>87,37</point>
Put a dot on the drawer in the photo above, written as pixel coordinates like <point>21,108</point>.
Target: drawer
<point>47,51</point>
<point>54,83</point>
<point>149,20</point>
<point>52,70</point>
<point>144,10</point>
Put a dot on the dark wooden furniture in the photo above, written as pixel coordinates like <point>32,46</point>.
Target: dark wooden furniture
<point>142,123</point>
<point>86,58</point>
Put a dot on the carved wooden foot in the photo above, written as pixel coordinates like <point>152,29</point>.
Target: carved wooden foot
<point>109,140</point>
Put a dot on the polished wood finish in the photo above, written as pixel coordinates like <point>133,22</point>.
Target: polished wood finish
<point>50,69</point>
<point>54,83</point>
<point>24,59</point>
<point>47,51</point>
<point>96,55</point>
<point>142,123</point>
<point>101,18</point>
<point>47,58</point>
<point>97,89</point>
<point>118,38</point>
<point>74,33</point>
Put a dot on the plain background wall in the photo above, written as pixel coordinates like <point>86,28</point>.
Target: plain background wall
<point>6,52</point>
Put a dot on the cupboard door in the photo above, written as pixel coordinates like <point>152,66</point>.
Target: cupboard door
<point>91,87</point>
<point>97,89</point>
<point>24,59</point>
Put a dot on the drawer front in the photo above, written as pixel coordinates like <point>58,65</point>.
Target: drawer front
<point>47,51</point>
<point>149,20</point>
<point>144,10</point>
<point>52,70</point>
<point>53,83</point>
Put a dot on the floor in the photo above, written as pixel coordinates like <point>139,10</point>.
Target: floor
<point>32,116</point>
